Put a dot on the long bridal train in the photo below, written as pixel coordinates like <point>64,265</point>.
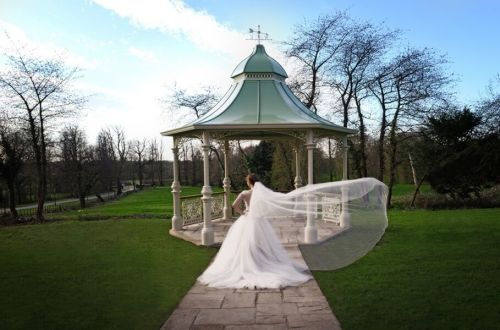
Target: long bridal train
<point>252,256</point>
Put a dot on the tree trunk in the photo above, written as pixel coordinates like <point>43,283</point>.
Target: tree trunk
<point>393,161</point>
<point>362,139</point>
<point>345,112</point>
<point>245,157</point>
<point>38,164</point>
<point>160,172</point>
<point>417,189</point>
<point>413,172</point>
<point>310,100</point>
<point>193,166</point>
<point>381,151</point>
<point>392,171</point>
<point>140,170</point>
<point>42,189</point>
<point>381,140</point>
<point>81,198</point>
<point>21,194</point>
<point>288,164</point>
<point>12,197</point>
<point>330,159</point>
<point>118,185</point>
<point>219,159</point>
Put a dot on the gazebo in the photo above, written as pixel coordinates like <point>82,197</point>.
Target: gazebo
<point>258,106</point>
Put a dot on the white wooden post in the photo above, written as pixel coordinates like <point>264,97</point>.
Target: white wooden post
<point>226,183</point>
<point>207,233</point>
<point>345,217</point>
<point>311,233</point>
<point>177,221</point>
<point>298,178</point>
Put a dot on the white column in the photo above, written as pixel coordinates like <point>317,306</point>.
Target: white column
<point>207,233</point>
<point>226,183</point>
<point>311,233</point>
<point>177,221</point>
<point>298,178</point>
<point>310,149</point>
<point>345,216</point>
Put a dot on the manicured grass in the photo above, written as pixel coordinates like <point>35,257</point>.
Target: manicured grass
<point>405,189</point>
<point>152,202</point>
<point>431,270</point>
<point>111,274</point>
<point>127,274</point>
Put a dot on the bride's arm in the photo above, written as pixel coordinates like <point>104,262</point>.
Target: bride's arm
<point>237,202</point>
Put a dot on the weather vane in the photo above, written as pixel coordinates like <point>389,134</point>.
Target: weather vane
<point>260,35</point>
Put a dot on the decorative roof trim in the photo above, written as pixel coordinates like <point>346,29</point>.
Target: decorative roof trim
<point>258,127</point>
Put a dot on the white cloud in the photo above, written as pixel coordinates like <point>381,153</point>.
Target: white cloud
<point>174,17</point>
<point>144,55</point>
<point>12,37</point>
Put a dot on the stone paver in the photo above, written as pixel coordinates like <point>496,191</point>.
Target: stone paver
<point>300,307</point>
<point>239,299</point>
<point>269,297</point>
<point>226,316</point>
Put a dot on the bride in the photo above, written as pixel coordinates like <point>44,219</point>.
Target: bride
<point>251,255</point>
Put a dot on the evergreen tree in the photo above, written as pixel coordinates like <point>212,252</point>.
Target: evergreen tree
<point>281,178</point>
<point>261,161</point>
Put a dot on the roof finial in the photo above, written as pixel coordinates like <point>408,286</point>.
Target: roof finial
<point>260,35</point>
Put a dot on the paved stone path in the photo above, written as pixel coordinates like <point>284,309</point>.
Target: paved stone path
<point>300,307</point>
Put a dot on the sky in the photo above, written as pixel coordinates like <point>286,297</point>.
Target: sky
<point>132,53</point>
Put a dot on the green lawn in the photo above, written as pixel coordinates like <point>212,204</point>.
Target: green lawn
<point>123,274</point>
<point>432,270</point>
<point>407,189</point>
<point>152,203</point>
<point>110,274</point>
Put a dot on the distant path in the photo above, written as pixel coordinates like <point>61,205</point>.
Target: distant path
<point>70,200</point>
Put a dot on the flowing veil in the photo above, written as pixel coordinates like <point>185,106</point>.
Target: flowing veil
<point>252,255</point>
<point>358,206</point>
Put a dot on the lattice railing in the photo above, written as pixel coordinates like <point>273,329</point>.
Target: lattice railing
<point>332,208</point>
<point>192,208</point>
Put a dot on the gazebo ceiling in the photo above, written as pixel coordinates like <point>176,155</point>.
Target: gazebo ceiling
<point>259,104</point>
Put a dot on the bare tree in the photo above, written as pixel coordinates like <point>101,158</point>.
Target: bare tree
<point>122,149</point>
<point>314,44</point>
<point>78,162</point>
<point>381,88</point>
<point>153,154</point>
<point>40,94</point>
<point>12,158</point>
<point>139,149</point>
<point>160,161</point>
<point>407,88</point>
<point>489,108</point>
<point>198,102</point>
<point>351,71</point>
<point>106,158</point>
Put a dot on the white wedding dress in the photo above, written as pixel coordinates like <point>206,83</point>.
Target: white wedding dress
<point>251,255</point>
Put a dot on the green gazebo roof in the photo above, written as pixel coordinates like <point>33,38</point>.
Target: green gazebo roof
<point>259,104</point>
<point>259,62</point>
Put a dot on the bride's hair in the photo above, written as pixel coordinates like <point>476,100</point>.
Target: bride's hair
<point>252,178</point>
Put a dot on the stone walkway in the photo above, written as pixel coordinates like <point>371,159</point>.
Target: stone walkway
<point>300,307</point>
